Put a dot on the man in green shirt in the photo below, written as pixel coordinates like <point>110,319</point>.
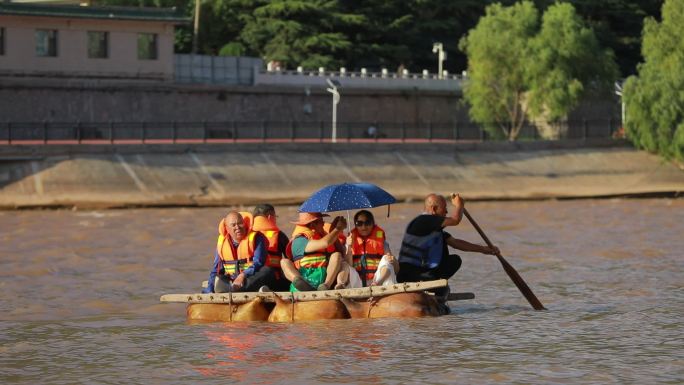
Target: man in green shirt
<point>315,256</point>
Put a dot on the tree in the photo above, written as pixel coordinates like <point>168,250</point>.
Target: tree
<point>498,54</point>
<point>221,23</point>
<point>401,32</point>
<point>300,32</point>
<point>654,101</point>
<point>520,69</point>
<point>387,33</point>
<point>617,25</point>
<point>565,60</point>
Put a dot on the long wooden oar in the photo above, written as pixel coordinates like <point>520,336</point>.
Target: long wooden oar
<point>515,277</point>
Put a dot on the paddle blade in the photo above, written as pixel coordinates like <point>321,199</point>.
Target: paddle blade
<point>520,283</point>
<point>512,274</point>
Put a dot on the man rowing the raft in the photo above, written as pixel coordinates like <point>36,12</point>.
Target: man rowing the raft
<point>241,258</point>
<point>424,255</point>
<point>316,256</point>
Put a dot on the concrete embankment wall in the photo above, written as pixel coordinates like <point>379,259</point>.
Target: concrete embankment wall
<point>62,101</point>
<point>99,176</point>
<point>74,100</point>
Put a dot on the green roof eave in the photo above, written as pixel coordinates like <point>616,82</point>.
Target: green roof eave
<point>170,15</point>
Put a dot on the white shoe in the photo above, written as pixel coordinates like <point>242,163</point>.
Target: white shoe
<point>265,289</point>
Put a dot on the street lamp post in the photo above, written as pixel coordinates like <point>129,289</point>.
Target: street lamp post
<point>618,92</point>
<point>438,48</point>
<point>195,29</point>
<point>336,100</point>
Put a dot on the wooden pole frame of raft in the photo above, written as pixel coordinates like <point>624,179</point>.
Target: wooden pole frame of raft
<point>358,293</point>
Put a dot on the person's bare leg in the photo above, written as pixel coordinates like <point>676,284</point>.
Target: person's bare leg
<point>343,276</point>
<point>289,269</point>
<point>334,265</point>
<point>293,275</point>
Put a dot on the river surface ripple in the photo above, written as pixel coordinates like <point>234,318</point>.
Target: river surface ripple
<point>79,303</point>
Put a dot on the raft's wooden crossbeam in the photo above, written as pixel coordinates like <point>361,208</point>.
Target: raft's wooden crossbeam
<point>358,293</point>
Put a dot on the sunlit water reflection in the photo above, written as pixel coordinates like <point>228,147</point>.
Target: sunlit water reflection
<point>79,303</point>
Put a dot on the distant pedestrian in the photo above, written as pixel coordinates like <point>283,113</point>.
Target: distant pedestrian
<point>372,132</point>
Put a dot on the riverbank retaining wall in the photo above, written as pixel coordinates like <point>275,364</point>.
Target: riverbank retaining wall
<point>105,176</point>
<point>106,100</point>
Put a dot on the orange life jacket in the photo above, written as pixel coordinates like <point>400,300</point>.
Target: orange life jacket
<point>314,259</point>
<point>235,260</point>
<point>342,238</point>
<point>367,253</point>
<point>247,218</point>
<point>271,232</point>
<point>326,226</point>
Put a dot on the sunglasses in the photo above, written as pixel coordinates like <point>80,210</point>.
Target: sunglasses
<point>363,223</point>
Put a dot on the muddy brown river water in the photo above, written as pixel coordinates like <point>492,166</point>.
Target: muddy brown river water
<point>79,295</point>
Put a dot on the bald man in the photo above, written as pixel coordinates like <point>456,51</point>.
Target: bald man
<point>424,253</point>
<point>240,258</point>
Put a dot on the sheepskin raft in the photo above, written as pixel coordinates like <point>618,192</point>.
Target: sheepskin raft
<point>407,299</point>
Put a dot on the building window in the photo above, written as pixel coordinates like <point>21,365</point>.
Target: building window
<point>46,42</point>
<point>2,40</point>
<point>98,44</point>
<point>147,46</point>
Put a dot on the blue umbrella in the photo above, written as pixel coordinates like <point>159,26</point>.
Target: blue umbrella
<point>346,196</point>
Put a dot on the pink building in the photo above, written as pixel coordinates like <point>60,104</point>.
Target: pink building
<point>39,40</point>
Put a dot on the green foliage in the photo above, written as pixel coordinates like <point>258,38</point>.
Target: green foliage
<point>617,25</point>
<point>180,4</point>
<point>519,68</point>
<point>379,33</point>
<point>183,40</point>
<point>232,49</point>
<point>498,51</point>
<point>221,23</point>
<point>566,58</point>
<point>400,33</point>
<point>295,32</point>
<point>654,99</point>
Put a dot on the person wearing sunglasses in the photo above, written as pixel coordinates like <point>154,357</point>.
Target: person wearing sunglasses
<point>369,253</point>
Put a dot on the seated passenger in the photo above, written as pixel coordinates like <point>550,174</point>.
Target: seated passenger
<point>264,221</point>
<point>369,253</point>
<point>240,258</point>
<point>315,256</point>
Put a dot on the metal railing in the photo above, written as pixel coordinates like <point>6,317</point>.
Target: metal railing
<point>361,80</point>
<point>276,131</point>
<point>248,71</point>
